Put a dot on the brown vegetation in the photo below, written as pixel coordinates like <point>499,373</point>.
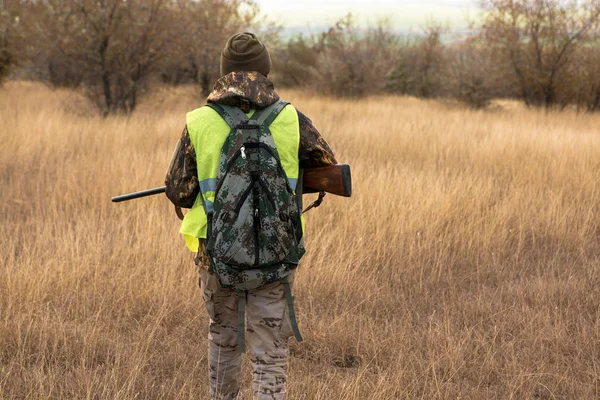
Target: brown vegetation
<point>465,266</point>
<point>8,23</point>
<point>203,29</point>
<point>345,61</point>
<point>543,52</point>
<point>539,39</point>
<point>112,49</point>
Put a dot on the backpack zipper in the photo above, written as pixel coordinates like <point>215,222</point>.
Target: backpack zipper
<point>255,203</point>
<point>272,153</point>
<point>267,193</point>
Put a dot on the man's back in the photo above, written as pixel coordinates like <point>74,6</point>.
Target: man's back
<point>238,89</point>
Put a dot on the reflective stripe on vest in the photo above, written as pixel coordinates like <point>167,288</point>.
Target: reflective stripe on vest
<point>208,132</point>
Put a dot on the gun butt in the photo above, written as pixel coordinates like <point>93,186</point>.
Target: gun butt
<point>335,179</point>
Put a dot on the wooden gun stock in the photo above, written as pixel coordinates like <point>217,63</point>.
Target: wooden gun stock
<point>335,179</point>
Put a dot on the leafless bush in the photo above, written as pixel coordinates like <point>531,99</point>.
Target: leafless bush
<point>539,39</point>
<point>542,51</point>
<point>9,21</point>
<point>470,74</point>
<point>296,63</point>
<point>6,58</point>
<point>111,47</point>
<point>344,61</point>
<point>584,79</point>
<point>352,62</point>
<point>203,28</point>
<point>419,70</point>
<point>114,48</point>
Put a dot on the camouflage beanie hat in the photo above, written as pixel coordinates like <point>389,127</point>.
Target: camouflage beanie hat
<point>244,52</point>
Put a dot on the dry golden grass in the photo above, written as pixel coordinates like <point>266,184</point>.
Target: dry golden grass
<point>465,266</point>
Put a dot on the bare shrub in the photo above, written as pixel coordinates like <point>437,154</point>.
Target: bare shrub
<point>539,38</point>
<point>9,22</point>
<point>544,52</point>
<point>470,77</point>
<point>110,47</point>
<point>203,29</point>
<point>584,79</point>
<point>52,35</point>
<point>353,62</point>
<point>296,62</point>
<point>420,66</point>
<point>6,58</point>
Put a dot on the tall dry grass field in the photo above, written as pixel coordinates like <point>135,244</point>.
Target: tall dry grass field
<point>465,266</point>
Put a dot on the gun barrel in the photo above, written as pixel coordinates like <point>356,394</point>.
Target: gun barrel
<point>137,195</point>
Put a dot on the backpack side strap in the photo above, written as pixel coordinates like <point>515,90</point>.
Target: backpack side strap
<point>232,115</point>
<point>291,312</point>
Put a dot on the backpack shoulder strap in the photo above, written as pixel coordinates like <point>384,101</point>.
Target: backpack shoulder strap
<point>267,115</point>
<point>232,115</point>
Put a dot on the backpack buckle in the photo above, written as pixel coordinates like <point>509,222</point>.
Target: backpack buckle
<point>247,125</point>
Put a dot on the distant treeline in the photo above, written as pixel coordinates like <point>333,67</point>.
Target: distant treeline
<point>544,52</point>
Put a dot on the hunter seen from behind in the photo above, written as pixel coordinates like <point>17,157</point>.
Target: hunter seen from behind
<point>465,264</point>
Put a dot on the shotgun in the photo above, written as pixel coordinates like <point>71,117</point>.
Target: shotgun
<point>335,179</point>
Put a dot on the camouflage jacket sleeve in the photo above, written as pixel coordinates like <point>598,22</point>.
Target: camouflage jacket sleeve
<point>314,150</point>
<point>182,176</point>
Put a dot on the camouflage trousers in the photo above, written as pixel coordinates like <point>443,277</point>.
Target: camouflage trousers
<point>268,330</point>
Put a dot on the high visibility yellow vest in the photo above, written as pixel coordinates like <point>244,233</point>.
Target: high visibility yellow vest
<point>208,132</point>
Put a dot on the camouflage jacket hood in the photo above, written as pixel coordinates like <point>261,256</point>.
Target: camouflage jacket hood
<point>240,86</point>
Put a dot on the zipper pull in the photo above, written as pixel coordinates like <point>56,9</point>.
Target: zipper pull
<point>256,221</point>
<point>243,151</point>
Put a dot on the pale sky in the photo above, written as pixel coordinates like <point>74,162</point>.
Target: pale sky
<point>403,14</point>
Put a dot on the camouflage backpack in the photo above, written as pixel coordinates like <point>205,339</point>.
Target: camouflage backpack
<point>254,233</point>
